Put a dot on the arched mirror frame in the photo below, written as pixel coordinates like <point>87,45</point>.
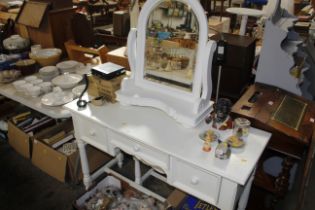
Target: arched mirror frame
<point>146,11</point>
<point>189,108</point>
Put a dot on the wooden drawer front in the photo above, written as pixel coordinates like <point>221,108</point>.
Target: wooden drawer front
<point>92,133</point>
<point>154,158</point>
<point>195,181</point>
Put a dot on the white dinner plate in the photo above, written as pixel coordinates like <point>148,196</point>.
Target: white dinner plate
<point>52,99</point>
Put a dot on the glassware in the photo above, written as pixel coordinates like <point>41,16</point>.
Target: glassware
<point>241,127</point>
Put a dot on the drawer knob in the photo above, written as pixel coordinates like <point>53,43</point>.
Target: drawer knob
<point>136,148</point>
<point>194,180</point>
<point>92,133</point>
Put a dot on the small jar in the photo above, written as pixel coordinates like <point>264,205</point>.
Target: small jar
<point>241,127</point>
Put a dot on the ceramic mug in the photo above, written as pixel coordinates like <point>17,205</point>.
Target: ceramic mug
<point>25,88</point>
<point>17,84</point>
<point>35,48</point>
<point>46,87</point>
<point>34,91</point>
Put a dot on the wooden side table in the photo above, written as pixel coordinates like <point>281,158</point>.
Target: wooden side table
<point>78,53</point>
<point>118,56</point>
<point>295,144</point>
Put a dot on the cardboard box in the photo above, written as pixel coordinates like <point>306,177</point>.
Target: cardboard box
<point>106,88</point>
<point>21,141</point>
<point>172,202</point>
<point>59,165</point>
<point>47,158</point>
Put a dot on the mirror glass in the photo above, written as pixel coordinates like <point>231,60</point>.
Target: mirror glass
<point>171,45</point>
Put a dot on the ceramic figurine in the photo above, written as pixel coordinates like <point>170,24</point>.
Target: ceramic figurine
<point>222,120</point>
<point>206,146</point>
<point>223,151</point>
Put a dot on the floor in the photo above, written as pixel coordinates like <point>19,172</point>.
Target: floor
<point>23,186</point>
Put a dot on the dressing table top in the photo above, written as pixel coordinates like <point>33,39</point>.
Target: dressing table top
<point>156,129</point>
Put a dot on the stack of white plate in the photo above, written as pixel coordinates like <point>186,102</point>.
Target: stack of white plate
<point>69,66</point>
<point>47,73</point>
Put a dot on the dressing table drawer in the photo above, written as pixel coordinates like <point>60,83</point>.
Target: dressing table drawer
<point>195,181</point>
<point>148,155</point>
<point>91,133</point>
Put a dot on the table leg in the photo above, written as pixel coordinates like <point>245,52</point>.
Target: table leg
<point>245,195</point>
<point>84,164</point>
<point>282,181</point>
<point>120,157</point>
<point>137,171</point>
<point>243,25</point>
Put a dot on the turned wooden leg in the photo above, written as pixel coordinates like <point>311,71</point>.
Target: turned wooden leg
<point>137,171</point>
<point>84,164</point>
<point>282,181</point>
<point>120,157</point>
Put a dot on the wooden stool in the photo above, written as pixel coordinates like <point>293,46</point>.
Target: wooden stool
<point>84,54</point>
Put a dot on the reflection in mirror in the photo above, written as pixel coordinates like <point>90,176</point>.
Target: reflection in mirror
<point>171,45</point>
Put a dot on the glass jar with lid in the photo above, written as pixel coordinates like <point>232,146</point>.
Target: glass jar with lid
<point>241,127</point>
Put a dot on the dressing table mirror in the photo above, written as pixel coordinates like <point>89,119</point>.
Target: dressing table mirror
<point>170,59</point>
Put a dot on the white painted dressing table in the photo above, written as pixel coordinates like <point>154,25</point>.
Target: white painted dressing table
<point>156,139</point>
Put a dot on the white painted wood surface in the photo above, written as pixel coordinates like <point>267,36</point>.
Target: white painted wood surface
<point>188,108</point>
<point>276,60</point>
<point>156,139</point>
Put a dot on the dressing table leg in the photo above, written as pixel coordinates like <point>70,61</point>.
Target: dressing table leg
<point>245,195</point>
<point>243,25</point>
<point>84,164</point>
<point>120,158</point>
<point>137,171</point>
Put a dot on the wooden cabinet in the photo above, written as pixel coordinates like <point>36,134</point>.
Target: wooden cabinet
<point>237,70</point>
<point>55,29</point>
<point>294,142</point>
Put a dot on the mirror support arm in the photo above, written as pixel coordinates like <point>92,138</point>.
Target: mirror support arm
<point>206,73</point>
<point>131,51</point>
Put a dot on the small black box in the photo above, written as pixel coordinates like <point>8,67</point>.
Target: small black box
<point>108,70</point>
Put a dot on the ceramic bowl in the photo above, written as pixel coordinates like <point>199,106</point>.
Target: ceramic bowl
<point>48,70</point>
<point>26,66</point>
<point>9,76</point>
<point>46,57</point>
<point>67,81</point>
<point>16,42</point>
<point>30,78</point>
<point>67,66</point>
<point>47,73</point>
